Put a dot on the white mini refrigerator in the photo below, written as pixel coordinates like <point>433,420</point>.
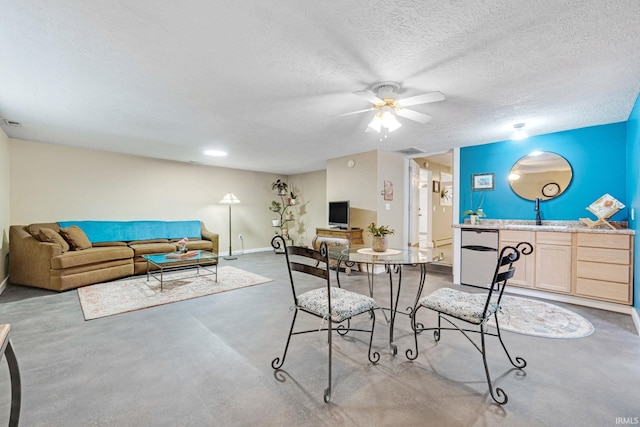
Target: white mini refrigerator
<point>478,257</point>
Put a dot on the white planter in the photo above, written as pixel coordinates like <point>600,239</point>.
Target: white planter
<point>474,220</point>
<point>275,222</point>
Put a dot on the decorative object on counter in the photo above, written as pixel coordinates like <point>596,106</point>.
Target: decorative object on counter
<point>182,245</point>
<point>230,199</point>
<point>475,214</point>
<point>379,235</point>
<point>482,181</point>
<point>603,208</point>
<point>540,319</point>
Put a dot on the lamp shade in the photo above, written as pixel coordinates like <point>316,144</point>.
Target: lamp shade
<point>229,199</point>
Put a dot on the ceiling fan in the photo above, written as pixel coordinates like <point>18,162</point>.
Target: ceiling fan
<point>385,102</point>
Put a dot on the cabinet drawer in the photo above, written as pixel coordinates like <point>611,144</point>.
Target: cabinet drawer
<point>617,292</point>
<point>614,241</point>
<point>553,238</point>
<point>606,272</point>
<point>516,236</point>
<point>610,256</point>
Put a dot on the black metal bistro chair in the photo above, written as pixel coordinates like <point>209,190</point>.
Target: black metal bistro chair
<point>475,309</point>
<point>6,351</point>
<point>344,304</point>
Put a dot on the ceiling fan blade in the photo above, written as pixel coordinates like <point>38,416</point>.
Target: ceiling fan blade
<point>413,115</point>
<point>369,96</point>
<point>353,112</point>
<point>421,99</point>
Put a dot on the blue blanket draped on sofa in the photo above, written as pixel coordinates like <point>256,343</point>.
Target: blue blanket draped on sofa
<point>126,231</point>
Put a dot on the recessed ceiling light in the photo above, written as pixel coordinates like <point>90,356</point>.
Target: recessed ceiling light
<point>215,153</point>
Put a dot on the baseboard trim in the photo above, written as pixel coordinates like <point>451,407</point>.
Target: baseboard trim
<point>636,320</point>
<point>3,285</point>
<point>602,305</point>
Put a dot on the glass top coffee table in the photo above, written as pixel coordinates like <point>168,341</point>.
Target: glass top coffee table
<point>174,261</point>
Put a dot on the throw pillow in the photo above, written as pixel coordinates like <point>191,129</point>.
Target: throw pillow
<point>76,238</point>
<point>51,236</point>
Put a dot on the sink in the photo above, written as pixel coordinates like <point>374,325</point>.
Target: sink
<point>537,227</point>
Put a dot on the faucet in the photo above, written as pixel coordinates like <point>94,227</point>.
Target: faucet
<point>537,209</point>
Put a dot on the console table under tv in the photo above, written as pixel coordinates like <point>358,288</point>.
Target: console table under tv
<point>338,236</point>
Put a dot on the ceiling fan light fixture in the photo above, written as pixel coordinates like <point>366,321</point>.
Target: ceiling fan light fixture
<point>519,132</point>
<point>376,123</point>
<point>389,121</point>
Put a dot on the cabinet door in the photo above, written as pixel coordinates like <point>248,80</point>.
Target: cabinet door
<point>523,276</point>
<point>553,268</point>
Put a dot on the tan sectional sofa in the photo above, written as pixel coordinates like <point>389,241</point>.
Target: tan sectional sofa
<point>44,259</point>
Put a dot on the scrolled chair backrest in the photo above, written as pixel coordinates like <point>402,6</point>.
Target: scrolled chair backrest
<point>505,269</point>
<point>316,265</point>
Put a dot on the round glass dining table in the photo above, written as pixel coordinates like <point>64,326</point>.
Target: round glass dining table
<point>393,261</point>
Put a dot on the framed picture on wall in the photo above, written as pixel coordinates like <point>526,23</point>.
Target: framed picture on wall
<point>482,181</point>
<point>436,186</point>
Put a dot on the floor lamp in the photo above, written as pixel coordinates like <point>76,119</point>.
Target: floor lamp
<point>230,199</point>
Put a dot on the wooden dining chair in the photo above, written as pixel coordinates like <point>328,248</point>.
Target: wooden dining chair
<point>331,304</point>
<point>474,309</point>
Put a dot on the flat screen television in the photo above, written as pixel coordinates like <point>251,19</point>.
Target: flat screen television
<point>339,214</point>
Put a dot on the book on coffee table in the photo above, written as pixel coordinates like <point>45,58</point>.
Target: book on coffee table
<point>181,255</point>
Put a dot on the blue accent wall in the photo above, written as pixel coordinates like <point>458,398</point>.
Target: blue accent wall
<point>633,190</point>
<point>598,157</point>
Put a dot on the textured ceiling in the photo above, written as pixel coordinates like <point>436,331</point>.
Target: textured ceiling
<point>264,80</point>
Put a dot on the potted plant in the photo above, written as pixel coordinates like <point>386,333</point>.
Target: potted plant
<point>275,206</point>
<point>280,187</point>
<point>379,235</point>
<point>292,200</point>
<point>475,214</point>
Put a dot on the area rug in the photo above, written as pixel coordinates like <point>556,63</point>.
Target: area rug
<point>121,296</point>
<point>541,319</point>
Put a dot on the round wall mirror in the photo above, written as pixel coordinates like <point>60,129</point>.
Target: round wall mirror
<point>540,174</point>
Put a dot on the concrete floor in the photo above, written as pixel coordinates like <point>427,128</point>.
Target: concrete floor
<point>206,362</point>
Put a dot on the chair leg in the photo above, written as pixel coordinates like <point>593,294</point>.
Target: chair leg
<point>375,356</point>
<point>520,363</point>
<point>410,354</point>
<point>327,391</point>
<point>16,388</point>
<point>502,397</point>
<point>277,362</point>
<point>436,333</point>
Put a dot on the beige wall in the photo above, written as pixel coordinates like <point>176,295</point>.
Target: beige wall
<point>4,205</point>
<point>362,185</point>
<point>54,183</point>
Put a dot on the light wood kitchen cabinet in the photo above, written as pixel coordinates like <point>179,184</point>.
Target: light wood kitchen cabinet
<point>584,264</point>
<point>604,267</point>
<point>524,273</point>
<point>553,253</point>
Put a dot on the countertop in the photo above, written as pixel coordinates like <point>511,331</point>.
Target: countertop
<point>554,226</point>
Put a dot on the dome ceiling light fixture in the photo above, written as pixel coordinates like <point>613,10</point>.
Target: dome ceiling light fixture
<point>518,132</point>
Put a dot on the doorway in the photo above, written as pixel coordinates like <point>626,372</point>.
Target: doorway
<point>432,191</point>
